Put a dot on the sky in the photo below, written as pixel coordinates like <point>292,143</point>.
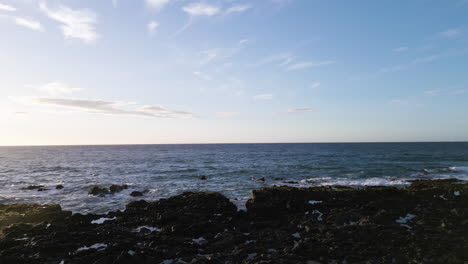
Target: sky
<point>232,71</point>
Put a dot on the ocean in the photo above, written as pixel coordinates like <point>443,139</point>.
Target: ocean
<point>231,169</point>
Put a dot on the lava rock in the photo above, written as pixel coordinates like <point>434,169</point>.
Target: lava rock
<point>136,194</point>
<point>33,187</point>
<point>117,188</point>
<point>98,191</point>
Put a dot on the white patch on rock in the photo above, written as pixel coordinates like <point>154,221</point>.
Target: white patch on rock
<point>131,252</point>
<point>456,193</point>
<point>320,214</point>
<point>251,256</point>
<point>102,220</point>
<point>405,219</point>
<point>97,246</point>
<point>314,202</point>
<point>200,240</point>
<point>443,197</point>
<point>296,235</point>
<point>151,229</point>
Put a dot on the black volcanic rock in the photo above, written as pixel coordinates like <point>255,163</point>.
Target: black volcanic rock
<point>114,188</point>
<point>423,223</point>
<point>59,187</point>
<point>96,190</point>
<point>136,194</point>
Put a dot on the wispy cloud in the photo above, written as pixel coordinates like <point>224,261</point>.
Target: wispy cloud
<point>55,88</point>
<point>152,26</point>
<point>200,9</point>
<point>401,49</point>
<point>432,92</point>
<point>156,4</point>
<point>281,59</point>
<point>76,23</point>
<point>242,42</point>
<point>263,97</point>
<point>398,102</point>
<point>413,62</point>
<point>449,33</point>
<point>29,23</point>
<point>227,114</point>
<point>7,8</point>
<point>113,108</point>
<point>309,64</point>
<point>237,9</point>
<point>300,110</point>
<point>208,56</point>
<point>315,85</point>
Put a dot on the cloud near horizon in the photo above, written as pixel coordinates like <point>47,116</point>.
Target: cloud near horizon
<point>58,88</point>
<point>78,24</point>
<point>300,110</point>
<point>263,97</point>
<point>113,108</point>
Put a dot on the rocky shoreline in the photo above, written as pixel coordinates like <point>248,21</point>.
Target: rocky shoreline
<point>426,222</point>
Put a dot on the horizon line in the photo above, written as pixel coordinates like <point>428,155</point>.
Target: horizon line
<point>230,143</point>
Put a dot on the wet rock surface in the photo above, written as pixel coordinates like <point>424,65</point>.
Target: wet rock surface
<point>423,223</point>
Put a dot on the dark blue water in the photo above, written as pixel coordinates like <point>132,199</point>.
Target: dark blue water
<point>231,169</point>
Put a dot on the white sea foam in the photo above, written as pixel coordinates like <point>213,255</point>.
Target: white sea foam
<point>314,202</point>
<point>102,220</point>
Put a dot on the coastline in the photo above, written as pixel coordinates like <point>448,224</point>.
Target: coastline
<point>423,223</point>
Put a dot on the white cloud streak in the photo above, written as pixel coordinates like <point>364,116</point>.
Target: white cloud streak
<point>449,33</point>
<point>113,108</point>
<point>300,110</point>
<point>58,88</point>
<point>157,4</point>
<point>237,9</point>
<point>401,49</point>
<point>78,24</point>
<point>308,64</point>
<point>200,9</point>
<point>315,85</point>
<point>29,23</point>
<point>282,59</point>
<point>263,97</point>
<point>7,8</point>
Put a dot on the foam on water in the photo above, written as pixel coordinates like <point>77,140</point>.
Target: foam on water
<point>168,170</point>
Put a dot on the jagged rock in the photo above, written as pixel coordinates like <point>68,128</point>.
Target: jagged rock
<point>261,180</point>
<point>136,193</point>
<point>117,188</point>
<point>59,187</point>
<point>96,190</point>
<point>281,225</point>
<point>33,187</point>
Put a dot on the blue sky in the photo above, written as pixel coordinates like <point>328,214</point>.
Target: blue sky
<point>210,71</point>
